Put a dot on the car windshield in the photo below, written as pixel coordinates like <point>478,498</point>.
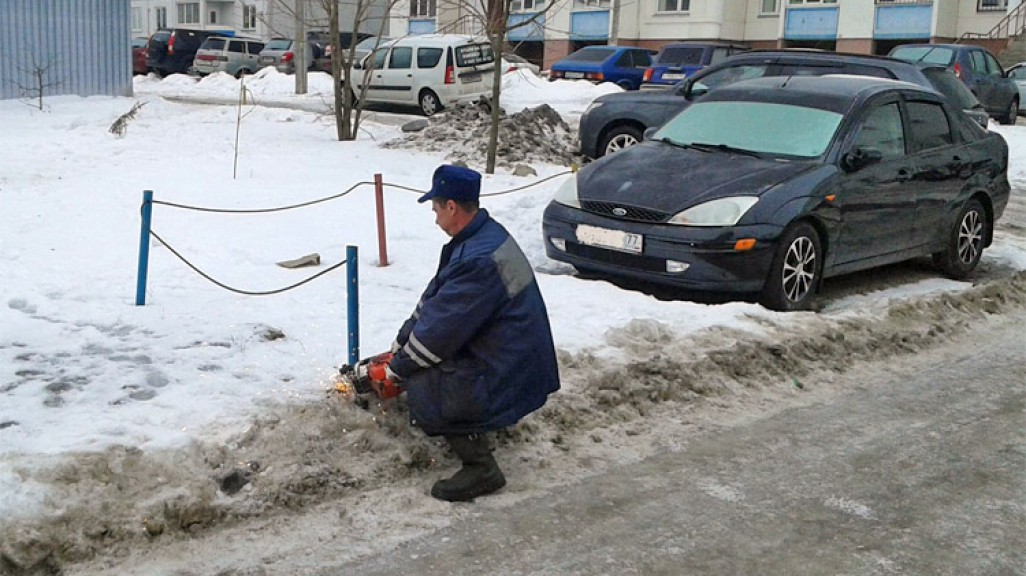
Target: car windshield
<point>926,54</point>
<point>766,128</point>
<point>680,56</point>
<point>949,85</point>
<point>591,55</point>
<point>278,44</point>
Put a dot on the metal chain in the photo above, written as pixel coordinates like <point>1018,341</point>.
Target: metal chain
<point>486,194</point>
<point>236,290</point>
<point>262,210</point>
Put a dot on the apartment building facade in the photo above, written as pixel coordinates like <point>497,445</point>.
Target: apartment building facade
<point>256,18</point>
<point>557,27</point>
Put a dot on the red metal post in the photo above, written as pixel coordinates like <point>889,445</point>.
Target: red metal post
<point>379,201</point>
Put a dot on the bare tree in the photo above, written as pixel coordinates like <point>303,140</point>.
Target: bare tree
<point>40,80</point>
<point>493,17</point>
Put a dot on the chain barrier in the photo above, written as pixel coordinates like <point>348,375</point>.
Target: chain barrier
<point>263,210</point>
<point>301,205</point>
<point>236,290</point>
<point>486,194</point>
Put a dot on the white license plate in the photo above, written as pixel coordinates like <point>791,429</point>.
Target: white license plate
<point>615,239</point>
<point>573,75</point>
<point>673,76</point>
<point>470,78</point>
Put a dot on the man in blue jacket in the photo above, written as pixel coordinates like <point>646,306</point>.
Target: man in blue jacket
<point>477,353</point>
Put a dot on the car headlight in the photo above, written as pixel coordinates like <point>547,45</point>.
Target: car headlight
<point>567,193</point>
<point>719,212</point>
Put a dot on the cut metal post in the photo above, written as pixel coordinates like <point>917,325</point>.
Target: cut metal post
<point>144,248</point>
<point>353,303</point>
<point>379,201</point>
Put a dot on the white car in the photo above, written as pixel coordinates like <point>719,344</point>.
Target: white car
<point>431,71</point>
<point>1018,74</point>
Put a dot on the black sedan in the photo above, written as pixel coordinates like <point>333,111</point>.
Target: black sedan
<point>770,185</point>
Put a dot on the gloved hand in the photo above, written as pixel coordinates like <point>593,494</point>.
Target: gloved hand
<point>374,375</point>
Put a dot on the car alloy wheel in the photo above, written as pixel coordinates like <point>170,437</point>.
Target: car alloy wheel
<point>429,103</point>
<point>799,269</point>
<point>970,237</point>
<point>619,138</point>
<point>965,242</point>
<point>1012,114</point>
<point>795,271</point>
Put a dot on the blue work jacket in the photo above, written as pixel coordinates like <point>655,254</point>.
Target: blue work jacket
<point>477,353</point>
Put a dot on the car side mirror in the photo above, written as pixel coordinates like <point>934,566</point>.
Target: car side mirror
<point>683,88</point>
<point>649,132</point>
<point>860,157</point>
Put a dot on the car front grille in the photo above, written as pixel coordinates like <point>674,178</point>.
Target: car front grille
<point>616,258</point>
<point>632,212</point>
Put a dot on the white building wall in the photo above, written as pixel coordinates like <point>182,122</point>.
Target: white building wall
<point>972,20</point>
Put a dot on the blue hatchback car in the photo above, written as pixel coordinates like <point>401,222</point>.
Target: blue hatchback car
<point>622,65</point>
<point>680,60</point>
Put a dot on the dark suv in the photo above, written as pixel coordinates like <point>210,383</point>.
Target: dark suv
<point>680,60</point>
<point>977,67</point>
<point>615,121</point>
<point>172,51</point>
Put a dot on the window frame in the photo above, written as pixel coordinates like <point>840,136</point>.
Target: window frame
<point>998,5</point>
<point>160,16</point>
<point>682,7</point>
<point>188,13</point>
<point>423,8</point>
<point>249,17</point>
<point>774,11</point>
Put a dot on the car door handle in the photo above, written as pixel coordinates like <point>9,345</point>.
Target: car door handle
<point>903,175</point>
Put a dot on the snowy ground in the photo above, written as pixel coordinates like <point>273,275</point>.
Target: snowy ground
<point>119,421</point>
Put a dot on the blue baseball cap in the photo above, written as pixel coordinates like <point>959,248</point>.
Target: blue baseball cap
<point>454,183</point>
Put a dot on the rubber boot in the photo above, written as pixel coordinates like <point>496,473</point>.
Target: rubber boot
<point>479,475</point>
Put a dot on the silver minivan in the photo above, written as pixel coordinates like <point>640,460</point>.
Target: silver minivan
<point>281,53</point>
<point>235,56</point>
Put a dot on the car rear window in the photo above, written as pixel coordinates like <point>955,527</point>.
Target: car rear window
<point>680,56</point>
<point>474,54</point>
<point>927,54</point>
<point>949,85</point>
<point>279,44</point>
<point>213,44</point>
<point>596,55</point>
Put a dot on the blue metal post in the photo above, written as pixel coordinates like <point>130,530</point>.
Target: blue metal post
<point>353,302</point>
<point>144,248</point>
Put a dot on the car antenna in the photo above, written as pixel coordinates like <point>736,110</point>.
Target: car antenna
<point>786,80</point>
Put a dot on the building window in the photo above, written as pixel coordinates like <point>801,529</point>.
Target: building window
<point>585,4</point>
<point>249,17</point>
<point>768,7</point>
<point>213,17</point>
<point>674,5</point>
<point>161,14</point>
<point>992,5</point>
<point>189,13</point>
<point>813,2</point>
<point>526,5</point>
<point>422,8</point>
<point>137,20</point>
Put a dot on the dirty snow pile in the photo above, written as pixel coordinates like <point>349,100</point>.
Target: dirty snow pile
<point>533,135</point>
